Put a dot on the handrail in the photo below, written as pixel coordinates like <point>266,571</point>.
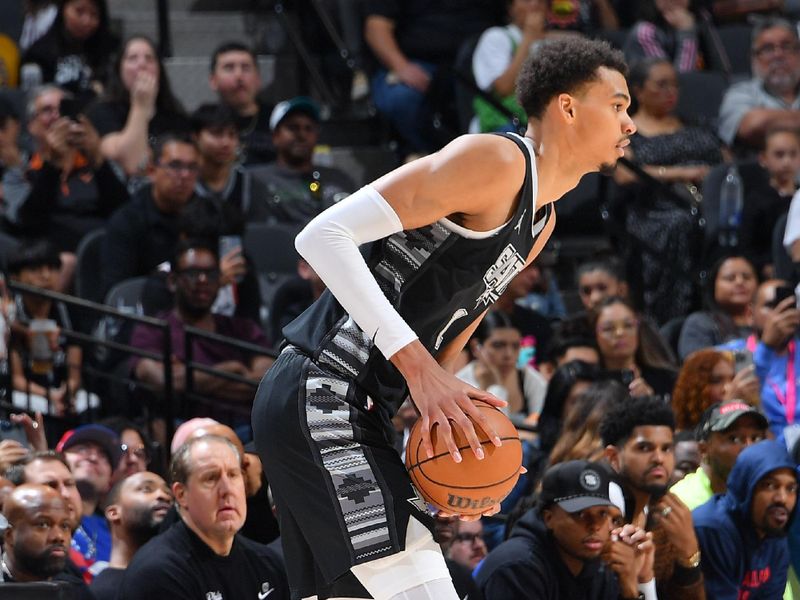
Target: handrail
<point>163,357</point>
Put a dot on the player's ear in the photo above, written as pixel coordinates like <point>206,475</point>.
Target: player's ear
<point>566,106</point>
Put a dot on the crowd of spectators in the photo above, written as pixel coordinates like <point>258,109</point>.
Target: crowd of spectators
<point>655,395</point>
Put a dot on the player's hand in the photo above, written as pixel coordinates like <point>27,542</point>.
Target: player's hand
<point>440,398</point>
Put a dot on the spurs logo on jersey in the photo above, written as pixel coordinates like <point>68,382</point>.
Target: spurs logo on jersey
<point>500,274</point>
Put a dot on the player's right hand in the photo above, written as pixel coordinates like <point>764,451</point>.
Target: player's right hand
<point>444,401</point>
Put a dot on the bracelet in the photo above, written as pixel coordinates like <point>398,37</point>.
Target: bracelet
<point>691,562</point>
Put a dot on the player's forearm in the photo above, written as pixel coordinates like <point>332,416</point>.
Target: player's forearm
<point>330,245</point>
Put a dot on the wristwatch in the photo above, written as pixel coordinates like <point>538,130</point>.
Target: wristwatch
<point>691,562</point>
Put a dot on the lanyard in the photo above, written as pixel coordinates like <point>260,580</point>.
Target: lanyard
<point>789,401</point>
<point>751,342</point>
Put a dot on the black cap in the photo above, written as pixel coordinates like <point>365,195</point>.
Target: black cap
<point>575,485</point>
<point>725,414</point>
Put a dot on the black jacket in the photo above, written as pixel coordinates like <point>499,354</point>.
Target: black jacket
<point>528,565</point>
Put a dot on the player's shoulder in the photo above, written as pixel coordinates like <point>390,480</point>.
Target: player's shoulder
<point>497,154</point>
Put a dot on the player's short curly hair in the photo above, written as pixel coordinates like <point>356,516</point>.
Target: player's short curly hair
<point>624,416</point>
<point>562,66</point>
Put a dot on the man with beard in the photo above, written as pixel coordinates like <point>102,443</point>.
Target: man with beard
<point>37,538</point>
<point>725,430</point>
<point>742,533</point>
<point>195,279</point>
<point>298,189</point>
<point>135,508</point>
<point>770,98</point>
<point>638,436</point>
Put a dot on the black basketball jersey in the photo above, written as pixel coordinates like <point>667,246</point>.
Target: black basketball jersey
<point>439,277</point>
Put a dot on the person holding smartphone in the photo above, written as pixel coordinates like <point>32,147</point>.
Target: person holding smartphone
<point>777,361</point>
<point>66,188</point>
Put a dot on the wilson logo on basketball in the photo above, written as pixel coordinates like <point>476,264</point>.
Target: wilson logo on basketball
<point>471,503</point>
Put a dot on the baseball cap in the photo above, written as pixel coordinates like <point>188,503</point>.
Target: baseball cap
<point>725,414</point>
<point>575,485</point>
<point>302,104</point>
<point>106,438</point>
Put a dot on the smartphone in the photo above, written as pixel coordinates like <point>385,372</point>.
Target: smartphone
<point>742,359</point>
<point>782,292</point>
<point>228,243</point>
<point>12,431</point>
<point>70,108</point>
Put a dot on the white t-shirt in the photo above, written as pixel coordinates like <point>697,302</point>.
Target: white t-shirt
<point>534,387</point>
<point>493,54</point>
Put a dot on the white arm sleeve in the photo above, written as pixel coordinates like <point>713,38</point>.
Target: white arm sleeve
<point>330,245</point>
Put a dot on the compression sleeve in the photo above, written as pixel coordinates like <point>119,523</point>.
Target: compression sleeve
<point>329,243</point>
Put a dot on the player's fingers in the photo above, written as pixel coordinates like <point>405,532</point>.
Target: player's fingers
<point>492,511</point>
<point>462,422</point>
<point>479,417</point>
<point>446,435</point>
<point>478,394</point>
<point>425,433</point>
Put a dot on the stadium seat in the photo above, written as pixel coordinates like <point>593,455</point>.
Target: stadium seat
<point>7,245</point>
<point>88,283</point>
<point>270,248</point>
<point>700,96</point>
<point>736,40</point>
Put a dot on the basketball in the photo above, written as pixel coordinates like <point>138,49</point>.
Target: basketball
<point>471,486</point>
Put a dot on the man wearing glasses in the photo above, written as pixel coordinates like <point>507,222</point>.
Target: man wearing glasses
<point>770,98</point>
<point>194,278</point>
<point>152,213</point>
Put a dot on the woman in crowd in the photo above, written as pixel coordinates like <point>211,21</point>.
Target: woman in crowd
<point>74,52</point>
<point>580,436</point>
<point>667,30</point>
<point>708,377</point>
<point>657,215</point>
<point>732,285</point>
<point>625,354</point>
<point>568,382</point>
<point>495,346</point>
<point>139,106</point>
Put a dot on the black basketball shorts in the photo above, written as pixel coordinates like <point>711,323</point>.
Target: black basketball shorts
<point>342,493</point>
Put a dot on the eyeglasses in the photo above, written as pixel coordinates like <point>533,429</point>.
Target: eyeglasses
<point>176,167</point>
<point>771,49</point>
<point>624,327</point>
<point>193,275</point>
<point>139,452</point>
<point>470,538</point>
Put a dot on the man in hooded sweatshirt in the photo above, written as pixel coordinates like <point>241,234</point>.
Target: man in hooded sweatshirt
<point>555,549</point>
<point>742,533</point>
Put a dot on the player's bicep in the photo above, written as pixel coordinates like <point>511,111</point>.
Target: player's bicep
<point>469,176</point>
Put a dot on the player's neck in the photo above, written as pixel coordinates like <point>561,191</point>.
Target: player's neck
<point>558,171</point>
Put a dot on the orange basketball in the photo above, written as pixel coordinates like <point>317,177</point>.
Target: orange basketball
<point>471,486</point>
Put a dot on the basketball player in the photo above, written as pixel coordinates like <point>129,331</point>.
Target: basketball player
<point>412,263</point>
